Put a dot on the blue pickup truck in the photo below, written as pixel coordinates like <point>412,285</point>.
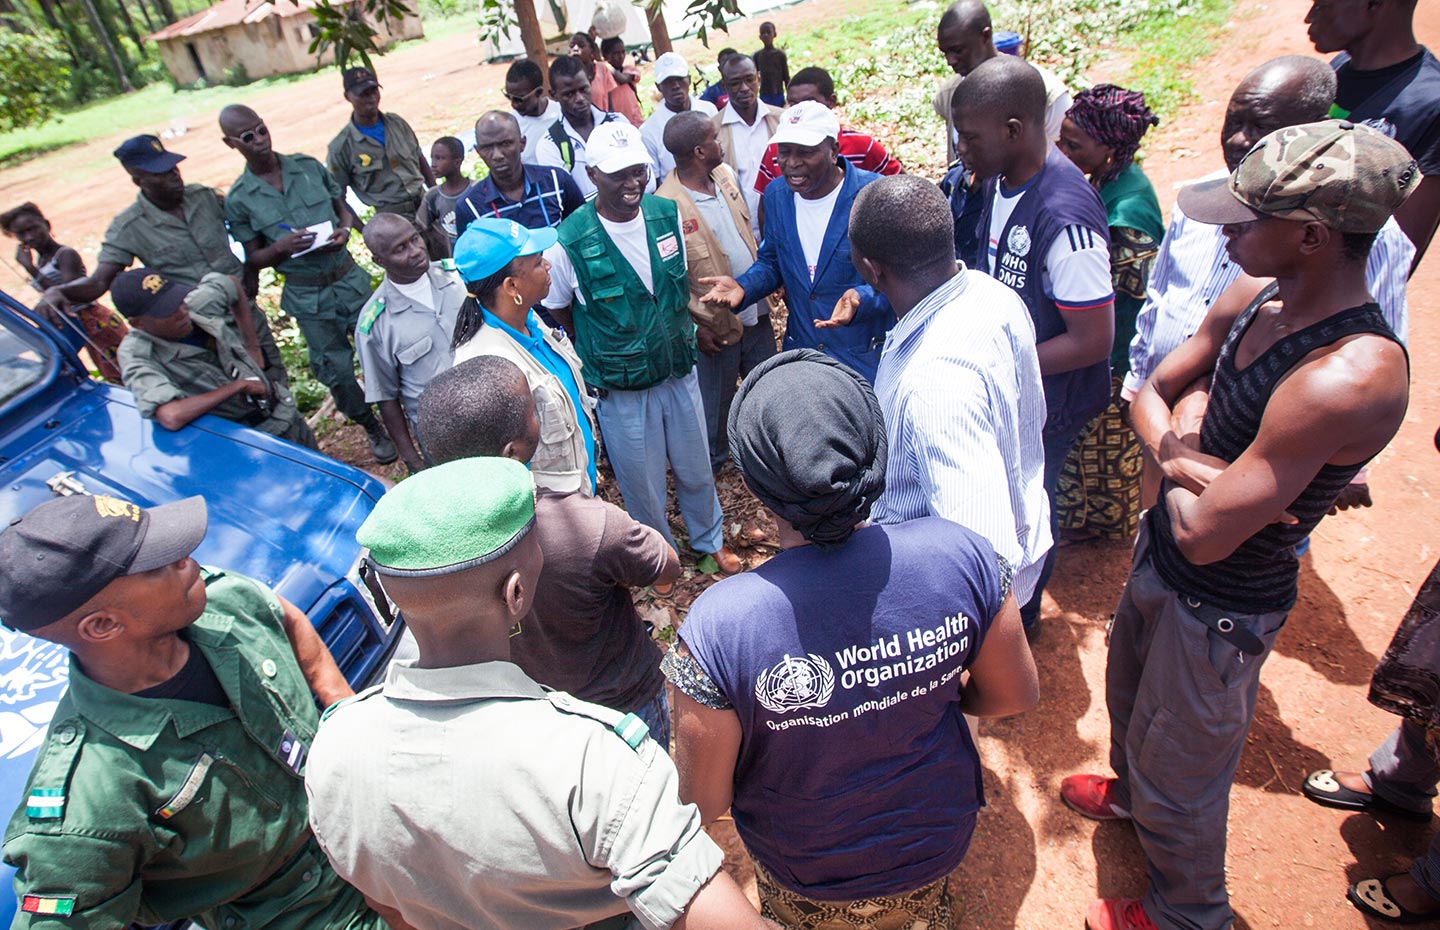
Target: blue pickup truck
<point>279,513</point>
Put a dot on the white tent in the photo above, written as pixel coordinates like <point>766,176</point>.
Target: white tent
<point>578,14</point>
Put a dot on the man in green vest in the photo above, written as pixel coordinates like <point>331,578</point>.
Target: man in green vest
<point>290,214</point>
<point>619,284</point>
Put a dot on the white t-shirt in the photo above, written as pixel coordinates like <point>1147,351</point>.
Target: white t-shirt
<point>549,154</point>
<point>633,242</point>
<point>533,128</point>
<point>418,291</point>
<point>812,217</point>
<point>653,132</point>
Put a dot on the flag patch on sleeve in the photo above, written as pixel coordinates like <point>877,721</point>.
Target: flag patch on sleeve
<point>45,804</point>
<point>55,905</point>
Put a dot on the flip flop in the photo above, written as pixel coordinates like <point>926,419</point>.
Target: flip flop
<point>1371,898</point>
<point>1325,789</point>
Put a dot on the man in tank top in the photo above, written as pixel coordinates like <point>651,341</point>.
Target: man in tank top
<point>1309,384</point>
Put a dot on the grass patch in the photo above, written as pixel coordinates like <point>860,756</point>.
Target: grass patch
<point>1166,50</point>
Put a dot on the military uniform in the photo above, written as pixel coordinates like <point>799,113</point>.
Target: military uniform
<point>572,815</point>
<point>403,344</point>
<point>158,371</point>
<point>186,250</point>
<point>386,177</point>
<point>152,810</point>
<point>324,291</point>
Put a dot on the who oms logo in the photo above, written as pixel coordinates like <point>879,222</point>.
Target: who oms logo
<point>795,682</point>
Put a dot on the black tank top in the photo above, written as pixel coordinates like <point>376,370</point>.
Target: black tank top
<point>1260,576</point>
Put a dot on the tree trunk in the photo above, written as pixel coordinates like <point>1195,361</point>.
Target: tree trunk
<point>167,12</point>
<point>114,54</point>
<point>150,27</point>
<point>130,29</point>
<point>531,36</point>
<point>61,23</point>
<point>659,31</point>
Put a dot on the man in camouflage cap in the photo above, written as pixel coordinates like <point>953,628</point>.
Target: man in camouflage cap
<point>1309,383</point>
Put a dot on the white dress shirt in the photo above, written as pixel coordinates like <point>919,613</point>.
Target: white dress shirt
<point>959,385</point>
<point>750,141</point>
<point>653,132</point>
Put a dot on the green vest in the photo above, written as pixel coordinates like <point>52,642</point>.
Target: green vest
<point>628,338</point>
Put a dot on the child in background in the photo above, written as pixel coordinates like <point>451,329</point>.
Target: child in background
<point>774,68</point>
<point>715,93</point>
<point>625,98</point>
<point>50,264</point>
<point>436,215</point>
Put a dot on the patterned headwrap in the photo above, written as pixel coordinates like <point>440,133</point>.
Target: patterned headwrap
<point>1115,117</point>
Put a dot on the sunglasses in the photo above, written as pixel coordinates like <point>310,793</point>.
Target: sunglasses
<point>249,136</point>
<point>522,97</point>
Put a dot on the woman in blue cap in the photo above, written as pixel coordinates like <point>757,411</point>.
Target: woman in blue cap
<point>506,275</point>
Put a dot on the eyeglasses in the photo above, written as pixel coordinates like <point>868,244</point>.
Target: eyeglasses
<point>249,136</point>
<point>517,100</point>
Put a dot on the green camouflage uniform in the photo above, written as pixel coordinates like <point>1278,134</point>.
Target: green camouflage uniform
<point>152,810</point>
<point>324,291</point>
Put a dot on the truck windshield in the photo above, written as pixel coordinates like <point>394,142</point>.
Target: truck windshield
<point>23,359</point>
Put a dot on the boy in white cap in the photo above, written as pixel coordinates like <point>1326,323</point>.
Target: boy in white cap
<point>619,284</point>
<point>672,76</point>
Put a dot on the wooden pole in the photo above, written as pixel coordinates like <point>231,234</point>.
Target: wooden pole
<point>532,37</point>
<point>659,31</point>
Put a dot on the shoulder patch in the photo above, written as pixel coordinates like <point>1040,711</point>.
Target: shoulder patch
<point>371,314</point>
<point>45,804</point>
<point>632,730</point>
<point>52,905</point>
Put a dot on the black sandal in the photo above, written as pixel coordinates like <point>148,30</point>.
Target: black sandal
<point>1371,899</point>
<point>1324,789</point>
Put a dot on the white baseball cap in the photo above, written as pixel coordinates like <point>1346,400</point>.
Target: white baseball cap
<point>806,123</point>
<point>669,65</point>
<point>615,146</point>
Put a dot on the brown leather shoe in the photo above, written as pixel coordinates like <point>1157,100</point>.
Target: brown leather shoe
<point>728,561</point>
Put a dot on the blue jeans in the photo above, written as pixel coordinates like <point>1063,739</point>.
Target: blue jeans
<point>656,715</point>
<point>645,429</point>
<point>719,376</point>
<point>1057,449</point>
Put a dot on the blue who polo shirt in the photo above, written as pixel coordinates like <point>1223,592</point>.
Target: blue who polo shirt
<point>533,340</point>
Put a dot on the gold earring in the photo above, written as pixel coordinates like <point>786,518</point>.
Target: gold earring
<point>518,301</point>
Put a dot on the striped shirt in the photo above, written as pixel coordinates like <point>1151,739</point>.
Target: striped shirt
<point>860,150</point>
<point>959,384</point>
<point>1192,270</point>
<point>550,196</point>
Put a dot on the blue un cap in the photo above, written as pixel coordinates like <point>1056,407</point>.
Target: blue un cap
<point>146,153</point>
<point>488,245</point>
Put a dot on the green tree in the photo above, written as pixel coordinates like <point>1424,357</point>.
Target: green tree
<point>34,79</point>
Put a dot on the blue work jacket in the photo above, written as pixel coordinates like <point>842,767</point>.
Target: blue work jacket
<point>781,260</point>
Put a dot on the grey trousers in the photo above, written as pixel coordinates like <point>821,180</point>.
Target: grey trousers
<point>1404,770</point>
<point>719,376</point>
<point>1180,699</point>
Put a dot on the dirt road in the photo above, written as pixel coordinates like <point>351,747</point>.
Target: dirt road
<point>1033,864</point>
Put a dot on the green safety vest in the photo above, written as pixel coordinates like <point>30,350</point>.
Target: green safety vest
<point>628,338</point>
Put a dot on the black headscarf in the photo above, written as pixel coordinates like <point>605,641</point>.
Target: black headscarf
<point>808,437</point>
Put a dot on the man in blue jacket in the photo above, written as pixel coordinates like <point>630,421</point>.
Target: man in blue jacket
<point>807,247</point>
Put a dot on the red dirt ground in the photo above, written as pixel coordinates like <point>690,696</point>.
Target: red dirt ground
<point>1033,864</point>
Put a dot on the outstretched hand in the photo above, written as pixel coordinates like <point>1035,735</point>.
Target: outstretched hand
<point>724,291</point>
<point>844,311</point>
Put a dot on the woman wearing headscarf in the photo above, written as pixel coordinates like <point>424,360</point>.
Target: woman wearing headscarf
<point>506,274</point>
<point>1100,485</point>
<point>820,697</point>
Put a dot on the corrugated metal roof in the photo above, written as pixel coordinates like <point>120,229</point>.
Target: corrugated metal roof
<point>232,13</point>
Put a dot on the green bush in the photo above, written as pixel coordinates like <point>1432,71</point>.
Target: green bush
<point>34,79</point>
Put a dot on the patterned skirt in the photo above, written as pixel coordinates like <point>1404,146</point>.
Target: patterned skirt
<point>931,907</point>
<point>1099,489</point>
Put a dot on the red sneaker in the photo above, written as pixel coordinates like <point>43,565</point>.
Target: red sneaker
<point>1092,796</point>
<point>1117,914</point>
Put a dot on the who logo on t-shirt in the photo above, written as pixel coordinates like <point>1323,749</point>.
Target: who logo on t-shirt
<point>794,683</point>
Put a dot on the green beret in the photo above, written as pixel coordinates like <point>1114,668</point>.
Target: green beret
<point>451,517</point>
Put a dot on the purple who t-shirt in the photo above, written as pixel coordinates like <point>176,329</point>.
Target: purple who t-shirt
<point>856,775</point>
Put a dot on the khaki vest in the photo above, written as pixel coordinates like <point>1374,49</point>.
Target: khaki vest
<point>704,254</point>
<point>725,132</point>
<point>561,461</point>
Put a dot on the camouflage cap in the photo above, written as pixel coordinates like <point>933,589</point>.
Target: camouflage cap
<point>1348,177</point>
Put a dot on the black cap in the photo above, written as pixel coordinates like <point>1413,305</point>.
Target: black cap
<point>147,292</point>
<point>146,153</point>
<point>359,80</point>
<point>65,551</point>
